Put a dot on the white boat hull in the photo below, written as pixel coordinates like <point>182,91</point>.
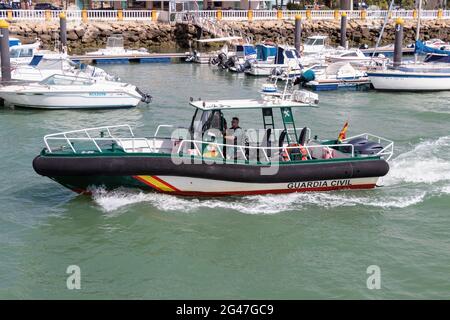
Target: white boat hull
<point>266,70</point>
<point>410,81</point>
<point>199,186</point>
<point>71,100</point>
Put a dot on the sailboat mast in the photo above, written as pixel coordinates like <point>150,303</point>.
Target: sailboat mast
<point>419,11</point>
<point>382,28</point>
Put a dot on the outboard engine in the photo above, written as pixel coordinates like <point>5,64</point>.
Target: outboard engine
<point>147,98</point>
<point>247,65</point>
<point>306,76</point>
<point>214,61</point>
<point>230,63</point>
<point>222,57</point>
<point>363,146</point>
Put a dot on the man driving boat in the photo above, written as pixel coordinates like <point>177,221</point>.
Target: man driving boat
<point>234,134</point>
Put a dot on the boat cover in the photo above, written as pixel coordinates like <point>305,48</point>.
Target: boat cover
<point>422,48</point>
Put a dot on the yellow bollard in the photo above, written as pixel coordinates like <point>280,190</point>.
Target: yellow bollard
<point>120,15</point>
<point>363,15</point>
<point>250,15</point>
<point>399,21</point>
<point>154,15</point>
<point>279,14</point>
<point>48,15</point>
<point>4,24</point>
<point>9,15</point>
<point>219,14</point>
<point>439,14</point>
<point>415,14</point>
<point>308,14</point>
<point>336,14</point>
<point>84,15</point>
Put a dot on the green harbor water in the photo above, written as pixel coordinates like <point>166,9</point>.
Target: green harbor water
<point>133,245</point>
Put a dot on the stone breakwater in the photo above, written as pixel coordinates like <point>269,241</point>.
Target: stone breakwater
<point>159,36</point>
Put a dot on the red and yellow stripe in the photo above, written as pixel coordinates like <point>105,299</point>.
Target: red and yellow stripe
<point>343,132</point>
<point>156,183</point>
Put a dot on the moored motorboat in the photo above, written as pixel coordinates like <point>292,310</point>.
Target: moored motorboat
<point>413,77</point>
<point>42,67</point>
<point>339,75</point>
<point>210,159</point>
<point>354,55</point>
<point>72,92</point>
<point>114,47</point>
<point>286,58</point>
<point>316,44</point>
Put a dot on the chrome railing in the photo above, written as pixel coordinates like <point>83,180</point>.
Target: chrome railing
<point>87,136</point>
<point>130,143</point>
<point>388,150</point>
<point>198,146</point>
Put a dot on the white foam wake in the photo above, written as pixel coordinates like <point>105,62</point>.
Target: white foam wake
<point>446,189</point>
<point>428,162</point>
<point>261,204</point>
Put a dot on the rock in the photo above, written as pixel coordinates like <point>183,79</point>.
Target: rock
<point>72,35</point>
<point>79,31</point>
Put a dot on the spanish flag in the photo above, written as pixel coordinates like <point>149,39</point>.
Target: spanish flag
<point>343,132</point>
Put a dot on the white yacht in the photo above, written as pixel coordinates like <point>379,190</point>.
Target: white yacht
<point>354,55</point>
<point>412,77</point>
<point>316,44</point>
<point>23,54</point>
<point>286,58</point>
<point>45,66</point>
<point>114,47</point>
<point>72,92</point>
<point>338,75</point>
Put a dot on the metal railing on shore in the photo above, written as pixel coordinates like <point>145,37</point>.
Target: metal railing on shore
<point>227,15</point>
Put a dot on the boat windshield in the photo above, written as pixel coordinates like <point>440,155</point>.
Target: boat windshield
<point>314,42</point>
<point>62,80</point>
<point>21,52</point>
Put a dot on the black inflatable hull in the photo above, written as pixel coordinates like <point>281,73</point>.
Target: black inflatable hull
<point>82,173</point>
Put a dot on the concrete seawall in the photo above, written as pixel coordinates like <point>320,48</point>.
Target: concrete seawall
<point>160,36</point>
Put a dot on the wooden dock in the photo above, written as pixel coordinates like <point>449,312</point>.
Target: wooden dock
<point>123,59</point>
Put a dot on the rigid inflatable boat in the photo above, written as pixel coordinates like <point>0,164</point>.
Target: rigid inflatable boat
<point>211,159</point>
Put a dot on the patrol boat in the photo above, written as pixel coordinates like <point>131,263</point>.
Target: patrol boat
<point>207,160</point>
